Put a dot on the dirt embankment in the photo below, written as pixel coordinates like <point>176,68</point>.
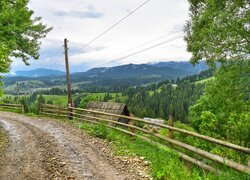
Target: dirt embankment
<point>46,149</point>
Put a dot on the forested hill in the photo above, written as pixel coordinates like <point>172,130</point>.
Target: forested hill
<point>132,71</point>
<point>183,65</point>
<point>170,96</point>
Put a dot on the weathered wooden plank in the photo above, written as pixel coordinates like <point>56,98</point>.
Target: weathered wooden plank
<point>15,105</point>
<point>56,111</point>
<point>9,107</point>
<point>53,114</point>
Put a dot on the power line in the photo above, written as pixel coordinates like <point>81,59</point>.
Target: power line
<point>138,52</point>
<point>114,25</point>
<point>146,43</point>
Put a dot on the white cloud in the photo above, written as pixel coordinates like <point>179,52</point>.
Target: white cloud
<point>82,20</point>
<point>90,13</point>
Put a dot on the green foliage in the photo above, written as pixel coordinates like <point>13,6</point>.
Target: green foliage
<point>164,162</point>
<point>85,98</point>
<point>209,124</point>
<point>84,101</point>
<point>36,105</point>
<point>100,131</point>
<point>20,32</point>
<point>4,59</point>
<point>31,102</point>
<point>107,97</point>
<point>223,111</point>
<point>218,30</point>
<point>49,102</point>
<point>24,102</point>
<point>170,99</point>
<point>9,99</point>
<point>159,100</point>
<point>205,80</point>
<point>56,99</point>
<point>40,99</point>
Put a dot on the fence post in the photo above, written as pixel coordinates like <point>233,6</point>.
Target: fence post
<point>58,110</point>
<point>70,111</point>
<point>22,108</point>
<point>40,108</point>
<point>171,123</point>
<point>131,122</point>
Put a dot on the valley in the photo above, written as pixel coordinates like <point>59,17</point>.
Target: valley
<point>101,79</point>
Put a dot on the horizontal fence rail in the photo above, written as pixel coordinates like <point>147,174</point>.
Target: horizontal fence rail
<point>92,116</point>
<point>16,107</point>
<point>217,141</point>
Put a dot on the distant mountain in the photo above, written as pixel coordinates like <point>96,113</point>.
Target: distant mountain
<point>183,65</point>
<point>132,71</point>
<point>39,72</point>
<point>104,77</point>
<point>171,69</point>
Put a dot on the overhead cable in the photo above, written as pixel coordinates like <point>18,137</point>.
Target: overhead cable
<point>143,50</point>
<point>113,26</point>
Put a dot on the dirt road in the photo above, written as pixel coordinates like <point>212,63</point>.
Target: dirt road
<point>46,149</point>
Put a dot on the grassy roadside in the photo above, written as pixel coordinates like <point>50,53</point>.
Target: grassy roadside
<point>164,163</point>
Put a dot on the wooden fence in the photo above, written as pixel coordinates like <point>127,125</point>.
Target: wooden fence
<point>97,117</point>
<point>12,107</point>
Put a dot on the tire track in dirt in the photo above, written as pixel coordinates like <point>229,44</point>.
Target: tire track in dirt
<point>29,154</point>
<point>51,151</point>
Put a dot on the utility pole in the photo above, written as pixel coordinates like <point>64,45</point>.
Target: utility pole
<point>70,103</point>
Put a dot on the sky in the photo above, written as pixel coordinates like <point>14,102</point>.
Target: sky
<point>80,21</point>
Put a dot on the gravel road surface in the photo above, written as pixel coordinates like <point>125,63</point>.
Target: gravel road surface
<point>48,149</point>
